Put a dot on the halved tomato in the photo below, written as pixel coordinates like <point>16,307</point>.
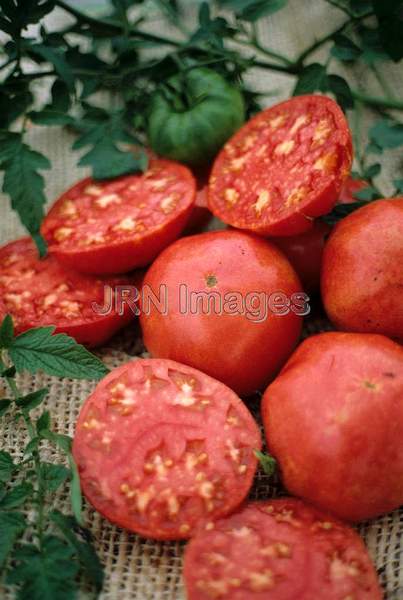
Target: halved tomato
<point>38,293</point>
<point>162,447</point>
<point>114,226</point>
<point>279,550</point>
<point>284,167</point>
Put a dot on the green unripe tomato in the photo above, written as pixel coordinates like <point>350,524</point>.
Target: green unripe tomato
<point>192,119</point>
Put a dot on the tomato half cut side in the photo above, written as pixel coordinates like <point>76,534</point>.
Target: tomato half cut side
<point>114,226</point>
<point>279,550</point>
<point>162,447</point>
<point>39,293</point>
<point>284,167</point>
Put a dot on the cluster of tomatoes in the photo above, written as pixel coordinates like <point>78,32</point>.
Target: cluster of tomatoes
<point>165,446</point>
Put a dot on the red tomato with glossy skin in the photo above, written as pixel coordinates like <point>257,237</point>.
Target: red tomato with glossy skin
<point>162,447</point>
<point>350,188</point>
<point>118,225</point>
<point>221,288</point>
<point>284,167</point>
<point>40,292</point>
<point>304,251</point>
<point>279,550</point>
<point>362,273</point>
<point>333,420</point>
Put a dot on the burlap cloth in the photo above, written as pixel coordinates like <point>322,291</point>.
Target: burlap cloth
<point>143,569</point>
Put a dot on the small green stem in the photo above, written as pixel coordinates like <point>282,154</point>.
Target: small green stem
<point>357,136</point>
<point>320,42</point>
<point>376,101</point>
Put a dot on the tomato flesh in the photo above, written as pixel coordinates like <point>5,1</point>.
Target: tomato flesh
<point>279,550</point>
<point>162,447</point>
<point>117,225</point>
<point>362,274</point>
<point>217,318</point>
<point>284,167</point>
<point>39,293</point>
<point>333,420</point>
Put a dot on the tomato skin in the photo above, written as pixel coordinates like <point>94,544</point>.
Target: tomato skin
<point>40,278</point>
<point>279,549</point>
<point>119,251</point>
<point>333,420</point>
<point>283,168</point>
<point>304,251</point>
<point>201,215</point>
<point>193,135</point>
<point>162,448</point>
<point>218,344</point>
<point>350,188</point>
<point>362,275</point>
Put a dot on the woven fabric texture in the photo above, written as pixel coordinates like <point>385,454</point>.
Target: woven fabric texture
<point>144,569</point>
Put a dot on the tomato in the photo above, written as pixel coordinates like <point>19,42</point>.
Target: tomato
<point>334,421</point>
<point>161,447</point>
<point>117,225</point>
<point>304,251</point>
<point>362,273</point>
<point>231,307</point>
<point>38,293</point>
<point>201,215</point>
<point>350,188</point>
<point>284,167</point>
<point>279,550</point>
<point>194,116</point>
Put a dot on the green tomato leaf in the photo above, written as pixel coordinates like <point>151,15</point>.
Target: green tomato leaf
<point>386,133</point>
<point>312,78</point>
<point>398,183</point>
<point>50,117</point>
<point>6,331</point>
<point>32,400</point>
<point>56,58</point>
<point>108,161</point>
<point>342,210</point>
<point>23,183</point>
<point>43,423</point>
<point>7,466</point>
<point>16,496</point>
<point>61,441</point>
<point>368,193</point>
<point>12,525</point>
<point>84,549</point>
<point>340,88</point>
<point>344,49</point>
<point>75,491</point>
<point>371,171</point>
<point>37,349</point>
<point>53,475</point>
<point>4,406</point>
<point>390,22</point>
<point>48,573</point>
<point>267,462</point>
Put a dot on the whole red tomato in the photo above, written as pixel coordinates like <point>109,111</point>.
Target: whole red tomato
<point>304,251</point>
<point>334,421</point>
<point>362,272</point>
<point>231,307</point>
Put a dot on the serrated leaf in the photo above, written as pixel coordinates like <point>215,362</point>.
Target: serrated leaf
<point>48,573</point>
<point>43,423</point>
<point>38,350</point>
<point>61,441</point>
<point>22,180</point>
<point>7,466</point>
<point>386,133</point>
<point>57,59</point>
<point>340,88</point>
<point>53,475</point>
<point>312,78</point>
<point>368,193</point>
<point>12,525</point>
<point>16,496</point>
<point>345,49</point>
<point>6,331</point>
<point>32,400</point>
<point>85,551</point>
<point>4,406</point>
<point>267,462</point>
<point>32,446</point>
<point>108,161</point>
